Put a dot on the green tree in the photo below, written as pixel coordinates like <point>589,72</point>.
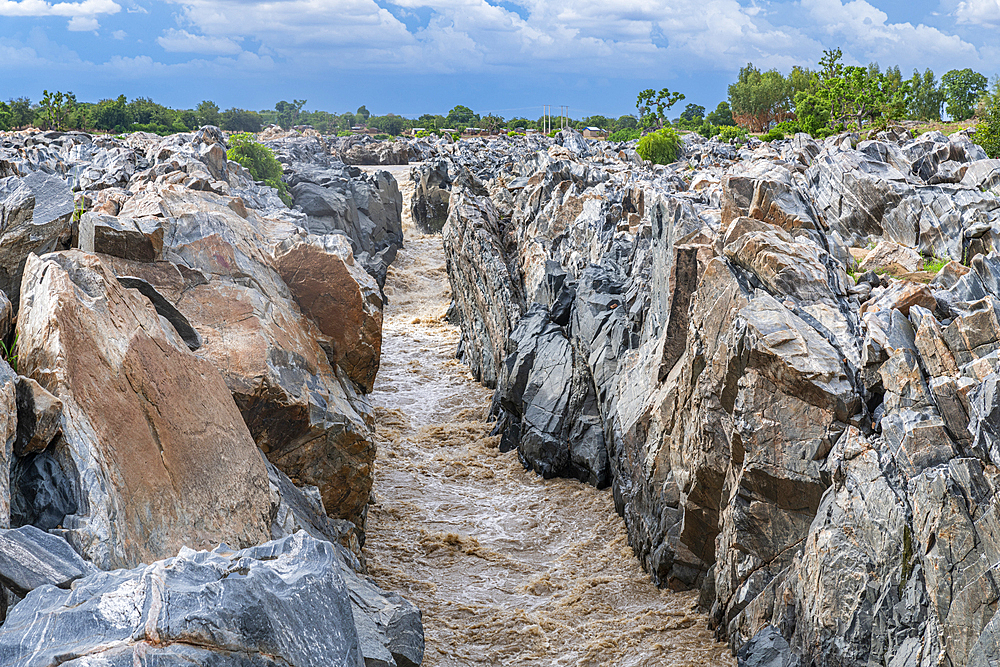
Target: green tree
<point>693,112</point>
<point>653,105</point>
<point>390,124</point>
<point>962,89</point>
<point>928,97</point>
<point>492,123</point>
<point>722,116</point>
<point>760,98</point>
<point>207,113</point>
<point>627,122</point>
<point>660,147</point>
<point>289,113</point>
<point>363,113</point>
<point>145,111</point>
<point>6,119</point>
<point>54,110</point>
<point>189,119</point>
<point>21,113</point>
<point>461,116</point>
<point>988,129</point>
<point>112,115</point>
<point>241,120</point>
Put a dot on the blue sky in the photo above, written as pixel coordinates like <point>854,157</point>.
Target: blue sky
<point>426,56</point>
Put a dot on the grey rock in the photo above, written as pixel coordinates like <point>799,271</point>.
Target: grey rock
<point>432,190</point>
<point>31,558</point>
<point>39,417</point>
<point>281,603</point>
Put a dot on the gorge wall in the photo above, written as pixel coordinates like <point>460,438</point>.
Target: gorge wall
<point>814,450</point>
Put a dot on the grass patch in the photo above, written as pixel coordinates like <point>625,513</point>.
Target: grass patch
<point>934,264</point>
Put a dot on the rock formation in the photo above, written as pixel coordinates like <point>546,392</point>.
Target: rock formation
<point>815,450</point>
<point>194,359</point>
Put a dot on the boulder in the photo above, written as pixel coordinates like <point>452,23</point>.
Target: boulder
<point>150,470</point>
<point>36,214</point>
<point>283,602</point>
<point>306,414</point>
<point>892,257</point>
<point>339,296</point>
<point>431,192</point>
<point>136,239</point>
<point>31,558</point>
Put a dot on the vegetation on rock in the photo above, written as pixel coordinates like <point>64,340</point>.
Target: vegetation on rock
<point>259,161</point>
<point>660,147</point>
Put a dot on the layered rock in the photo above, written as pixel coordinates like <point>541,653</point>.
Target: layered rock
<point>151,470</point>
<point>815,451</point>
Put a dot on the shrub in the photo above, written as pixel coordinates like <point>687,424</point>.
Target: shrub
<point>259,161</point>
<point>381,137</point>
<point>660,147</point>
<point>345,133</point>
<point>707,130</point>
<point>774,134</point>
<point>731,133</point>
<point>628,134</point>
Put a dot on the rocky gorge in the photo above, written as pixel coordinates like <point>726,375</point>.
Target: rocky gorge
<point>738,352</point>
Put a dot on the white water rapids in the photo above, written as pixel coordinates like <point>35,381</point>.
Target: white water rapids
<point>507,568</point>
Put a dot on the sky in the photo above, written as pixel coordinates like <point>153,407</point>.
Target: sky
<point>507,57</point>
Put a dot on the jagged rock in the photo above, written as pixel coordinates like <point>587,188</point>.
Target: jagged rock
<point>769,193</point>
<point>305,414</point>
<point>8,437</point>
<point>390,629</point>
<point>35,216</point>
<point>488,301</point>
<point>283,602</point>
<point>339,296</point>
<point>547,388</point>
<point>151,470</point>
<point>39,417</point>
<point>892,256</point>
<point>30,558</point>
<point>140,239</point>
<point>431,192</point>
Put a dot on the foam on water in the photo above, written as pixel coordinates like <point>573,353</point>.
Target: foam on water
<point>508,569</point>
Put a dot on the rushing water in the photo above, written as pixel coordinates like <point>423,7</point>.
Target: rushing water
<point>507,568</point>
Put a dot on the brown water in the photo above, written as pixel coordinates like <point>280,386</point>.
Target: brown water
<point>507,568</point>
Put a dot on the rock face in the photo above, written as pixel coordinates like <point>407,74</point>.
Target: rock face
<point>816,452</point>
<point>153,470</point>
<point>431,192</point>
<point>337,294</point>
<point>30,558</point>
<point>283,602</point>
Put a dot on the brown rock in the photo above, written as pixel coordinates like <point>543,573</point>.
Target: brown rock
<point>339,296</point>
<point>305,414</point>
<point>892,257</point>
<point>163,457</point>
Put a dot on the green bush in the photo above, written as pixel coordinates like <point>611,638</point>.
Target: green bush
<point>774,134</point>
<point>259,161</point>
<point>708,130</point>
<point>660,147</point>
<point>625,135</point>
<point>345,133</point>
<point>512,133</point>
<point>731,133</point>
<point>381,137</point>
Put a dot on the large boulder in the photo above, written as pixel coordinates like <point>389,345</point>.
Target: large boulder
<point>305,413</point>
<point>280,603</point>
<point>149,470</point>
<point>339,296</point>
<point>431,192</point>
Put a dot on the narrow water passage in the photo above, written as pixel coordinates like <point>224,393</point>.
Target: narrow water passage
<point>508,569</point>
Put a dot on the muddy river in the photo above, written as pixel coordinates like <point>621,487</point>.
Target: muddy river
<point>508,568</point>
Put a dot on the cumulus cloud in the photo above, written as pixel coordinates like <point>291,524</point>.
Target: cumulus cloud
<point>979,12</point>
<point>119,34</point>
<point>83,24</point>
<point>600,37</point>
<point>181,41</point>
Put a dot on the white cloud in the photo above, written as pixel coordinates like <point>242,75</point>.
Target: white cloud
<point>181,41</point>
<point>87,8</point>
<point>83,24</point>
<point>119,34</point>
<point>979,12</point>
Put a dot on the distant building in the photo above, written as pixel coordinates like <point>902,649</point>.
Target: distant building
<point>594,133</point>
